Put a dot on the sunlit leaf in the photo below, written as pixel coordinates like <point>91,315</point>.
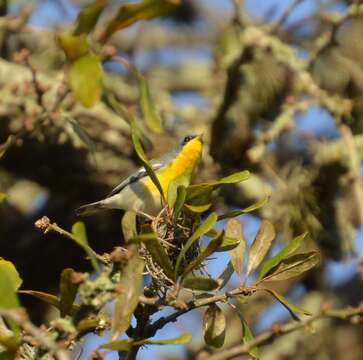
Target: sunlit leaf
<point>294,266</point>
<point>179,340</point>
<point>88,17</point>
<point>200,194</point>
<point>119,345</point>
<point>261,245</point>
<point>200,283</point>
<point>130,13</point>
<point>68,292</point>
<point>214,326</point>
<point>2,196</point>
<point>180,198</point>
<point>237,255</point>
<point>232,235</point>
<point>128,223</point>
<point>200,231</point>
<point>141,155</point>
<point>225,276</point>
<point>157,251</point>
<point>130,286</point>
<point>251,208</point>
<point>85,79</point>
<point>80,236</point>
<point>152,120</point>
<point>11,343</point>
<point>174,185</point>
<point>291,308</point>
<point>199,209</point>
<point>10,281</point>
<point>73,46</point>
<point>286,251</point>
<point>213,245</point>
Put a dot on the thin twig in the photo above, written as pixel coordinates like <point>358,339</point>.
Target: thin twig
<point>284,16</point>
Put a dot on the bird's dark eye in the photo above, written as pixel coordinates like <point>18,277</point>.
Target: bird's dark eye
<point>188,138</point>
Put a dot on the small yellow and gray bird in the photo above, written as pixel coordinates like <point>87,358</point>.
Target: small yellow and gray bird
<point>139,194</point>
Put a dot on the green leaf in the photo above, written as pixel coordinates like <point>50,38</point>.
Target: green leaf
<point>11,343</point>
<point>293,266</point>
<point>88,17</point>
<point>68,292</point>
<point>131,281</point>
<point>287,250</point>
<point>232,237</point>
<point>251,208</point>
<point>85,79</point>
<point>237,255</point>
<point>73,46</point>
<point>198,209</point>
<point>119,345</point>
<point>10,281</point>
<point>214,326</point>
<point>209,250</point>
<point>200,194</point>
<point>128,224</point>
<point>200,283</point>
<point>291,308</point>
<point>174,185</point>
<point>2,196</point>
<point>200,231</point>
<point>141,155</point>
<point>152,120</point>
<point>45,297</point>
<point>180,198</point>
<point>130,13</point>
<point>80,236</point>
<point>179,340</point>
<point>157,251</point>
<point>82,135</point>
<point>247,337</point>
<point>225,276</point>
<point>261,245</point>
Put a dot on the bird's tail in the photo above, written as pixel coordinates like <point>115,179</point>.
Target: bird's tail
<point>90,209</point>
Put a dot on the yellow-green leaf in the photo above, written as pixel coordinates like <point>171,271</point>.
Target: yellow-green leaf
<point>214,326</point>
<point>179,202</point>
<point>73,46</point>
<point>291,308</point>
<point>2,196</point>
<point>200,231</point>
<point>294,244</point>
<point>10,281</point>
<point>261,245</point>
<point>248,209</point>
<point>200,283</point>
<point>130,286</point>
<point>179,340</point>
<point>130,13</point>
<point>118,345</point>
<point>128,223</point>
<point>88,17</point>
<point>68,292</point>
<point>85,79</point>
<point>237,255</point>
<point>198,209</point>
<point>209,250</point>
<point>294,266</point>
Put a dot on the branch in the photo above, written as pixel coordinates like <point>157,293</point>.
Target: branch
<point>279,330</point>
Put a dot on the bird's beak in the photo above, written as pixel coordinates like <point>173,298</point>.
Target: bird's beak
<point>200,137</point>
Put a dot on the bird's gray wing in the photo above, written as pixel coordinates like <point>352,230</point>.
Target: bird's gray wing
<point>156,165</point>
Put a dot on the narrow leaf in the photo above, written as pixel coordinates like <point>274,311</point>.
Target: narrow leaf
<point>232,235</point>
<point>225,276</point>
<point>294,266</point>
<point>199,209</point>
<point>237,255</point>
<point>209,250</point>
<point>88,17</point>
<point>45,297</point>
<point>179,340</point>
<point>130,286</point>
<point>157,252</point>
<point>291,308</point>
<point>118,345</point>
<point>128,224</point>
<point>80,236</point>
<point>200,283</point>
<point>214,326</point>
<point>200,231</point>
<point>2,196</point>
<point>179,202</point>
<point>9,283</point>
<point>141,155</point>
<point>85,79</point>
<point>73,46</point>
<point>286,251</point>
<point>261,245</point>
<point>251,208</point>
<point>130,13</point>
<point>68,292</point>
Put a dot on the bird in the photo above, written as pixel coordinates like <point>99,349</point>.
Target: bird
<point>139,194</point>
